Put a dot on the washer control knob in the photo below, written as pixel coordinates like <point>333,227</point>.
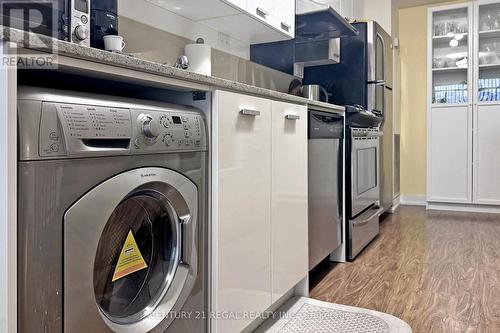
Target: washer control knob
<point>81,32</point>
<point>150,127</point>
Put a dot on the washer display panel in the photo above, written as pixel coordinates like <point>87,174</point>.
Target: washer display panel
<point>136,258</point>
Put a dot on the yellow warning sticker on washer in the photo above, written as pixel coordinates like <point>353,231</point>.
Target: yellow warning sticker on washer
<point>130,260</point>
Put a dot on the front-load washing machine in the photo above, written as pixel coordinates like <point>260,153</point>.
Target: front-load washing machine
<point>112,214</point>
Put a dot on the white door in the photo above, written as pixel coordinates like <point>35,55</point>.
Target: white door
<point>487,155</point>
<point>289,197</point>
<point>450,158</point>
<point>487,104</point>
<point>242,135</point>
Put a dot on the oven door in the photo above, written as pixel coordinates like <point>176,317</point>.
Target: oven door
<point>365,181</point>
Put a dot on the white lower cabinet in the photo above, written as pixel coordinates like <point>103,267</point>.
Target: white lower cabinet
<point>289,210</point>
<point>487,155</point>
<point>260,205</point>
<point>243,206</point>
<point>450,157</point>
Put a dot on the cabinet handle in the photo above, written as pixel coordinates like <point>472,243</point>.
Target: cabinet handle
<point>292,117</point>
<point>286,27</point>
<point>248,112</point>
<point>262,12</point>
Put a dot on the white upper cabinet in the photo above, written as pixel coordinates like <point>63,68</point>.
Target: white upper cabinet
<point>278,13</point>
<point>252,21</point>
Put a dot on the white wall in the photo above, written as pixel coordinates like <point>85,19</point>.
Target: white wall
<point>160,18</point>
<point>378,10</point>
<point>8,197</point>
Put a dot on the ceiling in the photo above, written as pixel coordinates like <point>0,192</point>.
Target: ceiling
<point>413,3</point>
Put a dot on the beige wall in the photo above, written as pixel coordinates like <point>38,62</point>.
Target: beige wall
<point>413,98</point>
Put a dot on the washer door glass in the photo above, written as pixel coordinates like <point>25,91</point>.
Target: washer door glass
<point>137,256</point>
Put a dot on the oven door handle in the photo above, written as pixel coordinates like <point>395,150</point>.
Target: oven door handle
<point>364,221</point>
<point>363,135</point>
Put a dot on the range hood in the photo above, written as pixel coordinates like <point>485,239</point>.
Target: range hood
<point>322,24</point>
<point>317,31</point>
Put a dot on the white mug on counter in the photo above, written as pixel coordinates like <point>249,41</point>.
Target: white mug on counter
<point>114,43</point>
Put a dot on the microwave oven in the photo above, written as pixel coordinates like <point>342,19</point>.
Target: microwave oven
<point>67,20</point>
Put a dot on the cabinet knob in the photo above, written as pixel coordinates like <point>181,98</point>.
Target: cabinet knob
<point>248,112</point>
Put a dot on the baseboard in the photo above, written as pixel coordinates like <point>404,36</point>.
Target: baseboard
<point>413,200</point>
<point>453,207</point>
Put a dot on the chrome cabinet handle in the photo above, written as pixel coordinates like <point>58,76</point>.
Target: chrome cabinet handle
<point>248,112</point>
<point>292,117</point>
<point>285,26</point>
<point>261,12</point>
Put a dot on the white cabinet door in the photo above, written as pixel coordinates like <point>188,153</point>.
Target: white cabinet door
<point>243,152</point>
<point>279,14</point>
<point>450,159</point>
<point>262,9</point>
<point>283,16</point>
<point>487,155</point>
<point>289,197</point>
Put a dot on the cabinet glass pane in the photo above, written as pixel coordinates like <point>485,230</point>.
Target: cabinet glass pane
<point>489,53</point>
<point>450,54</point>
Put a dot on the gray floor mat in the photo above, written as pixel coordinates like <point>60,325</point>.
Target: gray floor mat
<point>304,315</point>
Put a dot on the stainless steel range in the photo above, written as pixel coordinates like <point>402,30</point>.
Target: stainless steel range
<point>363,186</point>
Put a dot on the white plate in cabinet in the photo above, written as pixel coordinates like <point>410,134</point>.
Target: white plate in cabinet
<point>243,152</point>
<point>289,197</point>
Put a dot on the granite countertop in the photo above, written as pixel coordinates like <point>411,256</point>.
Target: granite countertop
<point>48,44</point>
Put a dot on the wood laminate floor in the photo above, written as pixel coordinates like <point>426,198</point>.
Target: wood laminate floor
<point>438,271</point>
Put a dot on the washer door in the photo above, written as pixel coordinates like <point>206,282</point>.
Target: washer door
<point>130,251</point>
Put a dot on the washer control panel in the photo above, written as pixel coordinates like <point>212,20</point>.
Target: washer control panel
<point>79,130</point>
<point>159,130</point>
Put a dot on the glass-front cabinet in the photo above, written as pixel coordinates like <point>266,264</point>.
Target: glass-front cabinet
<point>488,51</point>
<point>450,49</point>
<point>463,117</point>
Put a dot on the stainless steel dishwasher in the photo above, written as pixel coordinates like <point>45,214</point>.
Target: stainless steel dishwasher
<point>326,135</point>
